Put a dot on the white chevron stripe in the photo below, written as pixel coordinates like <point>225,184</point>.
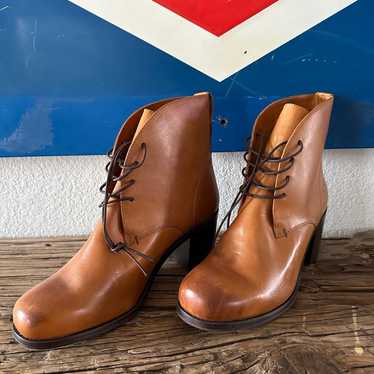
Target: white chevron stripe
<point>218,57</point>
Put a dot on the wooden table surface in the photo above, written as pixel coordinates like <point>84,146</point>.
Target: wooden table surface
<point>329,330</point>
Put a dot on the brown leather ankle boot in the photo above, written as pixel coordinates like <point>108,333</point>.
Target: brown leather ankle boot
<point>160,191</point>
<point>253,274</point>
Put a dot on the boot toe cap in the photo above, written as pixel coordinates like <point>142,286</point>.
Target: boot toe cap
<point>28,319</point>
<point>215,291</point>
<point>41,313</point>
<point>206,294</point>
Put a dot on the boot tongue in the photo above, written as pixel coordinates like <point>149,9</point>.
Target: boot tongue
<point>114,218</point>
<point>290,116</point>
<point>147,114</point>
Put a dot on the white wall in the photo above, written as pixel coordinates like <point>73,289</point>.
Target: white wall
<point>57,196</point>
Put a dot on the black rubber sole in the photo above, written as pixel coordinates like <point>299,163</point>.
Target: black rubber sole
<point>310,257</point>
<point>201,241</point>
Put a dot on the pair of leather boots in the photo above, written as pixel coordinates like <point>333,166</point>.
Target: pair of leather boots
<point>160,192</point>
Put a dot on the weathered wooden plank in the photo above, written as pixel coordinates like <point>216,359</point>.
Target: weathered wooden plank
<point>330,329</point>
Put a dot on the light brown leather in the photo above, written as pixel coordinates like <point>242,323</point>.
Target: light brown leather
<point>146,116</point>
<point>255,265</point>
<point>175,190</point>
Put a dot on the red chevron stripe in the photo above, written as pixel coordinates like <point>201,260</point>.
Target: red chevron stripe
<point>216,16</point>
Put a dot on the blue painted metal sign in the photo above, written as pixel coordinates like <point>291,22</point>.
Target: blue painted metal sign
<point>68,79</point>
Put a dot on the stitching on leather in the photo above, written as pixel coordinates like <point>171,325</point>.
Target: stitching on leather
<point>159,229</point>
<point>301,225</point>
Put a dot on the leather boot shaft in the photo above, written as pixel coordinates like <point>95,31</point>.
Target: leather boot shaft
<point>176,186</point>
<point>306,191</point>
<point>253,273</point>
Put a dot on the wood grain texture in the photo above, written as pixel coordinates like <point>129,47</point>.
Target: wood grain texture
<point>329,330</point>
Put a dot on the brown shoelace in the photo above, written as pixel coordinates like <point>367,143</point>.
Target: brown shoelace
<point>259,166</point>
<point>117,163</point>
